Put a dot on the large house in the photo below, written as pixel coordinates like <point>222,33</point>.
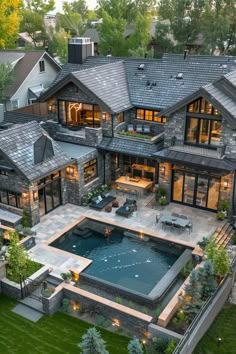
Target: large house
<point>171,122</point>
<point>33,72</point>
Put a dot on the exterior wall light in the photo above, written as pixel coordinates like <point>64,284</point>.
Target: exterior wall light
<point>35,195</point>
<point>162,171</point>
<point>70,171</point>
<point>225,184</point>
<point>24,195</point>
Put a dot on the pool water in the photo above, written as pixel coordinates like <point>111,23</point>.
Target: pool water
<point>122,258</point>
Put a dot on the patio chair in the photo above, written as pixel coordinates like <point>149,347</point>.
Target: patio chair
<point>158,218</point>
<point>183,217</point>
<point>177,227</point>
<point>166,224</point>
<point>130,128</point>
<point>175,215</point>
<point>139,128</point>
<point>147,129</point>
<point>189,227</point>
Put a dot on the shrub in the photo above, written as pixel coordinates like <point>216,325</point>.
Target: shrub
<point>66,276</point>
<point>135,347</point>
<point>223,205</point>
<point>203,244</point>
<point>118,300</point>
<point>186,270</point>
<point>101,321</point>
<point>159,344</point>
<point>220,215</point>
<point>160,192</point>
<point>170,347</point>
<point>25,218</point>
<point>179,320</point>
<point>66,305</point>
<point>163,200</point>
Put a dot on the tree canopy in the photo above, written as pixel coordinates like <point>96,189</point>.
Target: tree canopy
<point>201,25</point>
<point>9,22</point>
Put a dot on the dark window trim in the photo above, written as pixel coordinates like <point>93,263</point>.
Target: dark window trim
<point>162,119</point>
<point>42,66</point>
<point>18,198</point>
<point>197,175</point>
<point>90,163</point>
<point>209,145</point>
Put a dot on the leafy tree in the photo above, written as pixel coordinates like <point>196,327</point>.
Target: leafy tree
<point>135,347</point>
<point>6,79</point>
<point>79,6</point>
<point>72,21</point>
<point>207,279</point>
<point>58,45</point>
<point>170,347</point>
<point>193,300</point>
<point>221,262</point>
<point>92,343</point>
<point>33,19</point>
<point>117,16</point>
<point>9,22</point>
<point>17,256</point>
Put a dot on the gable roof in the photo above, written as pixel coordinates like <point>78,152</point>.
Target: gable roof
<point>157,85</point>
<point>107,84</point>
<point>26,62</point>
<point>17,145</point>
<point>221,93</point>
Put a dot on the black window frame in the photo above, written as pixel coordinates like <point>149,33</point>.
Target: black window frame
<point>87,165</point>
<point>42,66</point>
<point>161,120</point>
<point>18,198</point>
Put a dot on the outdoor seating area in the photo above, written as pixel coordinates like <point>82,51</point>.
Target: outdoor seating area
<point>127,208</point>
<point>101,201</point>
<point>140,128</point>
<point>175,222</point>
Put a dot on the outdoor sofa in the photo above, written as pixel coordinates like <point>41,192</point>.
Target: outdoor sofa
<point>101,201</point>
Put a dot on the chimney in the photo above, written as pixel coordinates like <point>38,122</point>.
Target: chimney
<point>2,112</point>
<point>185,53</point>
<point>79,49</point>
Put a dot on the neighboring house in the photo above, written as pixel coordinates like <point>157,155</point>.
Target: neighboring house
<point>184,106</point>
<point>24,40</point>
<point>34,71</point>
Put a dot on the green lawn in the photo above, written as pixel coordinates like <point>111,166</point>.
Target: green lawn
<point>223,327</point>
<point>59,333</point>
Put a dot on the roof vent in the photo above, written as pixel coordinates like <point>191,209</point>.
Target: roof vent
<point>179,76</point>
<point>223,66</point>
<point>148,83</point>
<point>141,66</point>
<point>154,83</point>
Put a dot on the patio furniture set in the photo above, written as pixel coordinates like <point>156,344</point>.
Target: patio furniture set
<point>108,202</point>
<point>177,222</point>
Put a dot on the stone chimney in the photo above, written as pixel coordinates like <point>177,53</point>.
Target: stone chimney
<point>79,49</point>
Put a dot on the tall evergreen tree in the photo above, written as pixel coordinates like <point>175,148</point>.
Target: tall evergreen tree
<point>92,343</point>
<point>207,279</point>
<point>135,347</point>
<point>193,300</point>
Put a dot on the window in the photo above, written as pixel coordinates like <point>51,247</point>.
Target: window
<point>11,198</point>
<point>203,107</point>
<point>90,171</point>
<point>201,131</point>
<point>3,173</point>
<point>120,117</point>
<point>149,116</point>
<point>15,104</point>
<point>41,66</point>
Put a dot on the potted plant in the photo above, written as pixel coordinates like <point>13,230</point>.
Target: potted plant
<point>220,215</point>
<point>223,208</point>
<point>66,276</point>
<point>163,200</point>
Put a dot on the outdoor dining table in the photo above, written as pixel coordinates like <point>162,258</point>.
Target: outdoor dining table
<point>168,217</point>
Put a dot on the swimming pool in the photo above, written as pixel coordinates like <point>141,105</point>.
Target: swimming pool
<point>124,258</point>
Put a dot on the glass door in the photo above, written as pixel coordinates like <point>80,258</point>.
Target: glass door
<point>42,206</point>
<point>189,188</point>
<point>202,191</point>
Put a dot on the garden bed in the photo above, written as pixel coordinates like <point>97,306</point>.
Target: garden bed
<point>32,267</point>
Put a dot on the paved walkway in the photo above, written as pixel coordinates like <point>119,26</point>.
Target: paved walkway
<point>204,224</point>
<point>27,312</point>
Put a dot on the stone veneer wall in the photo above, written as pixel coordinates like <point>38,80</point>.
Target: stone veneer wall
<point>175,126</point>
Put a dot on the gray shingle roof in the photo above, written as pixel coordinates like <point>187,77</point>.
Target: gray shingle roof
<point>205,162</point>
<point>221,93</point>
<point>17,144</point>
<point>76,151</point>
<point>129,146</point>
<point>17,117</point>
<point>108,83</point>
<point>156,86</point>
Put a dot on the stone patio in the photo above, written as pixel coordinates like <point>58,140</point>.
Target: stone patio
<point>204,224</point>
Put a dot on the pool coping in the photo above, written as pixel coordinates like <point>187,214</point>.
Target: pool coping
<point>161,286</point>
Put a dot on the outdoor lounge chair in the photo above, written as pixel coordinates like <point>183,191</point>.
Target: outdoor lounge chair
<point>147,129</point>
<point>100,203</point>
<point>139,128</point>
<point>130,128</point>
<point>128,208</point>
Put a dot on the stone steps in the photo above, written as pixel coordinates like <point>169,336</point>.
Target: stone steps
<point>223,235</point>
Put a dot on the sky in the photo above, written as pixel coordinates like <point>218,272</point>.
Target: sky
<point>90,3</point>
